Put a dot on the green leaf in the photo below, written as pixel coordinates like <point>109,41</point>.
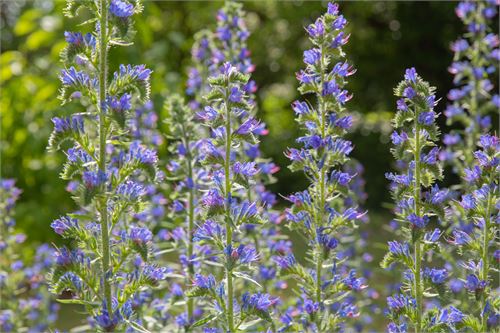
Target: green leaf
<point>246,277</point>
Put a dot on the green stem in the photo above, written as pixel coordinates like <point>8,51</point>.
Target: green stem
<point>229,229</point>
<point>190,266</point>
<point>103,71</point>
<point>322,201</point>
<point>485,255</point>
<point>418,246</point>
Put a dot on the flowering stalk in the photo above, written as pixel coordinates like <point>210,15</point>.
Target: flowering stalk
<point>108,189</point>
<point>229,121</point>
<point>184,131</point>
<point>480,205</point>
<point>320,212</point>
<point>25,303</point>
<point>419,201</point>
<point>475,62</point>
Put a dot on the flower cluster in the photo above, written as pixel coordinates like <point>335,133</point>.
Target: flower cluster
<point>224,211</point>
<point>110,262</point>
<point>25,300</point>
<point>474,64</point>
<point>479,205</point>
<point>323,213</point>
<point>420,205</point>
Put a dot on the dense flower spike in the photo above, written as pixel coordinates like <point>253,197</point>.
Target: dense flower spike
<point>222,203</point>
<point>473,100</point>
<point>322,213</point>
<point>25,303</point>
<point>110,266</point>
<point>418,203</point>
<point>475,241</point>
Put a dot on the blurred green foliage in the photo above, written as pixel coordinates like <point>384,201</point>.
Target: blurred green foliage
<point>386,38</point>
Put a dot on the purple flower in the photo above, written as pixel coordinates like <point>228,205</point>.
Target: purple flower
<point>155,274</point>
<point>353,283</point>
<point>285,262</point>
<point>316,30</point>
<point>399,249</point>
<point>140,236</point>
<point>138,72</point>
<point>409,92</point>
<point>451,315</point>
<point>472,283</point>
<point>426,118</point>
<point>63,224</point>
<point>235,95</point>
<point>209,230</point>
<point>310,306</point>
<point>212,199</point>
<point>257,301</point>
<point>312,57</point>
<point>249,126</point>
<point>74,123</point>
<point>398,139</point>
<point>399,301</point>
<point>417,221</point>
<point>411,75</point>
<point>342,178</point>
<point>437,276</point>
<point>121,8</point>
<point>93,179</point>
<point>131,190</point>
<point>301,107</point>
<point>204,282</point>
<point>432,237</point>
<point>243,254</point>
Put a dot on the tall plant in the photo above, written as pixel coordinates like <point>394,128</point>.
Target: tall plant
<point>25,301</point>
<point>110,263</point>
<point>225,212</point>
<point>320,213</point>
<point>420,204</point>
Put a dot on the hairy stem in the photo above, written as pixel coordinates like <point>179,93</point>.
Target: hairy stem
<point>229,229</point>
<point>103,71</point>
<point>190,266</point>
<point>485,256</point>
<point>418,245</point>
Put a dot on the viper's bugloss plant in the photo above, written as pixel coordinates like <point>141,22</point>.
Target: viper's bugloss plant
<point>475,61</point>
<point>476,244</point>
<point>420,207</point>
<point>225,212</point>
<point>320,213</point>
<point>110,263</point>
<point>211,49</point>
<point>25,302</point>
<point>185,170</point>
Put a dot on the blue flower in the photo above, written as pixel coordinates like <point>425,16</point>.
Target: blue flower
<point>74,123</point>
<point>312,57</point>
<point>399,301</point>
<point>140,236</point>
<point>204,282</point>
<point>451,315</point>
<point>131,190</point>
<point>417,221</point>
<point>437,276</point>
<point>257,301</point>
<point>285,262</point>
<point>64,224</point>
<point>411,75</point>
<point>426,118</point>
<point>121,8</point>
<point>399,249</point>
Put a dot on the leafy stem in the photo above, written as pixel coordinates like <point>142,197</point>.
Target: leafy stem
<point>103,50</point>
